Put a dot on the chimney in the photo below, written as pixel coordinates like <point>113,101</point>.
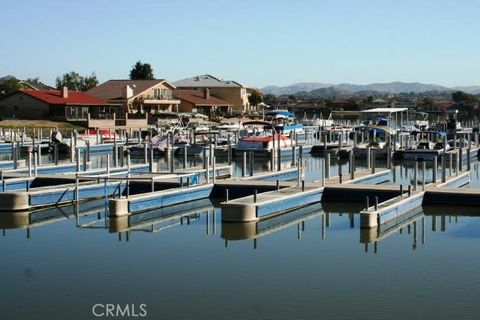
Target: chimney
<point>127,92</point>
<point>206,93</point>
<point>65,92</point>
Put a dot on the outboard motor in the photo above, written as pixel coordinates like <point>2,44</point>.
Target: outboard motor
<point>56,137</point>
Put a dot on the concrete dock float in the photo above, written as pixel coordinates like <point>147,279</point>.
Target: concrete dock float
<point>392,209</point>
<point>265,204</point>
<point>148,219</point>
<point>60,194</point>
<point>261,228</point>
<point>157,199</point>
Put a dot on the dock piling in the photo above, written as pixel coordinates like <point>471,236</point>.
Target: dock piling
<point>367,203</point>
<point>376,203</point>
<point>423,175</point>
<point>460,159</point>
<point>84,160</point>
<point>450,163</point>
<point>444,169</point>
<point>327,166</point>
<point>409,190</point>
<point>415,175</point>
<point>323,172</point>
<point>77,159</point>
<point>369,154</point>
<point>244,163</point>
<point>251,160</point>
<point>435,168</point>
<point>255,196</point>
<point>145,153</point>
<point>226,195</point>
<point>150,160</point>
<point>185,155</point>
<point>214,160</point>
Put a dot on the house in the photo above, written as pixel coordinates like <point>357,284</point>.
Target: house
<point>231,91</point>
<point>201,102</point>
<point>60,105</point>
<point>138,96</point>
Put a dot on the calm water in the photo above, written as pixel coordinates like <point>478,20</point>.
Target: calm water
<point>315,263</point>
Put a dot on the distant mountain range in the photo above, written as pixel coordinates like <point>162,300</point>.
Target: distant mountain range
<point>325,89</point>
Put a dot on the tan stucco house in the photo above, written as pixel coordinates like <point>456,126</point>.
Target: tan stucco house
<point>138,96</point>
<point>230,91</point>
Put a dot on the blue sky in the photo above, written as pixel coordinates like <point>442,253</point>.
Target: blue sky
<point>255,42</point>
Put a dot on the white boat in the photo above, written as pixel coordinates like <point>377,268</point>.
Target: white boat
<point>267,140</point>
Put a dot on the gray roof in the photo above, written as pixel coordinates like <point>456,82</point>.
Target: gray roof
<point>206,81</point>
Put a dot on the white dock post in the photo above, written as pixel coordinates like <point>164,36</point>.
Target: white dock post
<point>77,159</point>
<point>450,163</point>
<point>108,166</point>
<point>35,163</point>
<point>128,161</point>
<point>369,157</point>
<point>444,168</point>
<point>72,148</point>
<point>415,175</point>
<point>423,175</point>
<point>214,168</point>
<point>323,172</point>
<point>39,153</point>
<point>207,171</point>
<point>351,160</point>
<point>229,151</point>
<point>251,160</point>
<point>29,150</point>
<point>185,155</point>
<point>435,167</point>
<point>171,160</point>
<point>115,151</point>
<point>372,158</point>
<point>244,163</point>
<point>327,166</point>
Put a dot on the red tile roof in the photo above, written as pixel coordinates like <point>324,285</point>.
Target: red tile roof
<point>55,97</point>
<point>197,97</point>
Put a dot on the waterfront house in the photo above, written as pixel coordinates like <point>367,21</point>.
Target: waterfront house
<point>59,105</point>
<point>228,90</point>
<point>145,97</point>
<point>201,102</point>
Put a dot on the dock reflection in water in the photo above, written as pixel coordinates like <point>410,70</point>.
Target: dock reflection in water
<point>310,257</point>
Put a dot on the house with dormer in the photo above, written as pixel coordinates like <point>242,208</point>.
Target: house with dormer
<point>144,97</point>
<point>232,92</point>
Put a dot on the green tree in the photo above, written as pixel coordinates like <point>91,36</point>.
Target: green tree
<point>255,97</point>
<point>89,82</point>
<point>74,81</point>
<point>141,71</point>
<point>33,80</point>
<point>9,86</point>
<point>427,103</point>
<point>71,80</point>
<point>269,98</point>
<point>460,96</point>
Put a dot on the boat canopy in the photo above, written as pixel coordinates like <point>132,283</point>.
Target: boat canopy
<point>385,110</point>
<point>257,123</point>
<point>285,113</point>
